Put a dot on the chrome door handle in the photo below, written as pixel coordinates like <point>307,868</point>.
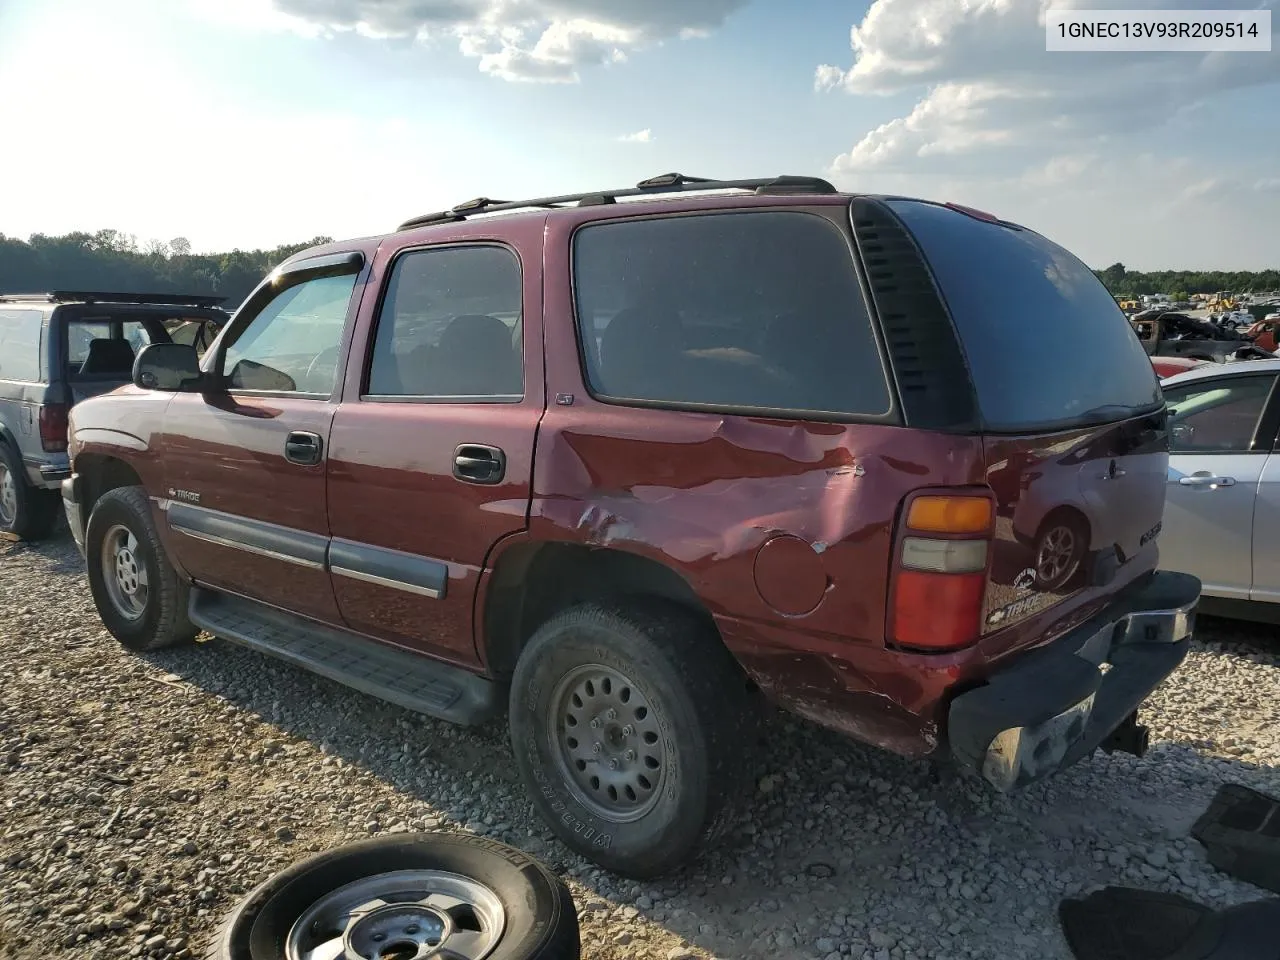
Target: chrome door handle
<point>1201,480</point>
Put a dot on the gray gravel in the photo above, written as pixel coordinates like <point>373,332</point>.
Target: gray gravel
<point>141,795</point>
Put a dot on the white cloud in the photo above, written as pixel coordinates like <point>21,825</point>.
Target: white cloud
<point>640,136</point>
<point>543,41</point>
<point>985,81</point>
<point>1267,185</point>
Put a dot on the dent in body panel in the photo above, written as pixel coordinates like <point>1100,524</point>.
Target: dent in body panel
<point>706,496</point>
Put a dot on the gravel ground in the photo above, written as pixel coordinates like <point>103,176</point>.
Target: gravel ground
<point>142,794</point>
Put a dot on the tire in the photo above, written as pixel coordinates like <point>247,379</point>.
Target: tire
<point>675,690</point>
<point>150,618</point>
<point>26,512</point>
<point>1063,527</point>
<point>540,920</point>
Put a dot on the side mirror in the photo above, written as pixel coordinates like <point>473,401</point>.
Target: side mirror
<point>174,367</point>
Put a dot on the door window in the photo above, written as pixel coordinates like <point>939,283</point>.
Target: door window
<point>450,327</point>
<point>291,346</point>
<point>1217,416</point>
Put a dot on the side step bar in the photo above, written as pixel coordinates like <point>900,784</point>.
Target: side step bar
<point>414,682</point>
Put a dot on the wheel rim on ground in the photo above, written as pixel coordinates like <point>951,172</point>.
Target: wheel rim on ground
<point>8,496</point>
<point>124,572</point>
<point>1057,553</point>
<point>607,743</point>
<point>401,915</point>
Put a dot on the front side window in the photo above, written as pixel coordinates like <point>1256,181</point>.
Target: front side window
<point>291,346</point>
<point>740,310</point>
<point>1219,416</point>
<point>20,344</point>
<point>450,326</point>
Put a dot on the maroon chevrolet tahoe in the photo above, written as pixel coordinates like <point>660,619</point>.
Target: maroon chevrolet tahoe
<point>630,464</point>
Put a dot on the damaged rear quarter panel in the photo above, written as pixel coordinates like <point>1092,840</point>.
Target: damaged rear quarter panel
<point>701,492</point>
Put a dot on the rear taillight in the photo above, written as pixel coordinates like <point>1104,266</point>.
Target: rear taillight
<point>941,576</point>
<point>53,427</point>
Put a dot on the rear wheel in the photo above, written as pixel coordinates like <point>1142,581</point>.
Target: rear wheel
<point>139,595</point>
<point>1060,550</point>
<point>631,723</point>
<point>26,512</point>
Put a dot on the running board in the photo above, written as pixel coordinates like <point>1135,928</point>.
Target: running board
<point>415,682</point>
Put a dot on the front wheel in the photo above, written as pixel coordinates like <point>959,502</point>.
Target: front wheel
<point>139,595</point>
<point>630,724</point>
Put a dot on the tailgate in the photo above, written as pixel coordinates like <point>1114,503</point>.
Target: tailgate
<point>1072,509</point>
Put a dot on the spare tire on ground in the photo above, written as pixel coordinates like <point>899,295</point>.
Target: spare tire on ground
<point>406,896</point>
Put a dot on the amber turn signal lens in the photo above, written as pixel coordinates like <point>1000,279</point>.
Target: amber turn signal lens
<point>950,515</point>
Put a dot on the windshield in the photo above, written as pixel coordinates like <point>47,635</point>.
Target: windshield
<point>1046,344</point>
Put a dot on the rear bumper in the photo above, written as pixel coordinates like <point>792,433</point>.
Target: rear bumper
<point>72,503</point>
<point>47,472</point>
<point>1060,702</point>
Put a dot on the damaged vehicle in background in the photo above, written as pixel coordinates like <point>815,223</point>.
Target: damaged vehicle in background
<point>1170,334</point>
<point>624,463</point>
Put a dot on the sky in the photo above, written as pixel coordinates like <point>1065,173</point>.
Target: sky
<point>253,123</point>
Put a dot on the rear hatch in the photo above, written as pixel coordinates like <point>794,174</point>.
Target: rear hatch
<point>1069,408</point>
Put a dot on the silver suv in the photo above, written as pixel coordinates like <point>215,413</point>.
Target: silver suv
<point>57,349</point>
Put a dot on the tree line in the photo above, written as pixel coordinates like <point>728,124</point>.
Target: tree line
<point>114,261</point>
<point>109,260</point>
<point>1182,283</point>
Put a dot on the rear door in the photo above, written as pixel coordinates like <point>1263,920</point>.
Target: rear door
<point>1068,404</point>
<point>431,456</point>
<point>245,465</point>
<point>1217,461</point>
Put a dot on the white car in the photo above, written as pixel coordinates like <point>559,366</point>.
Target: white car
<point>1222,509</point>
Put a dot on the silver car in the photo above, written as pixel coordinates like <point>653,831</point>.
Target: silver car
<point>1222,510</point>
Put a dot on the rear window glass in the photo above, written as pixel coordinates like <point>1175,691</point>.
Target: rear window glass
<point>1046,344</point>
<point>742,310</point>
<point>20,345</point>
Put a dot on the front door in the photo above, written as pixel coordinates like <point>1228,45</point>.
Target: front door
<point>431,456</point>
<point>245,465</point>
<point>1216,460</point>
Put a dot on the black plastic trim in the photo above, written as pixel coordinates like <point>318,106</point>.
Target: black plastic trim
<point>396,675</point>
<point>934,386</point>
<point>250,536</point>
<point>389,568</point>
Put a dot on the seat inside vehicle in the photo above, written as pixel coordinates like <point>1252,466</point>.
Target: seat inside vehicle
<point>108,358</point>
<point>475,356</point>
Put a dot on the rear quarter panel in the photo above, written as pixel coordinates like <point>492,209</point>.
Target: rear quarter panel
<point>782,527</point>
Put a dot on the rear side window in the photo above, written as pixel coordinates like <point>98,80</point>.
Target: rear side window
<point>1047,345</point>
<point>20,345</point>
<point>742,310</point>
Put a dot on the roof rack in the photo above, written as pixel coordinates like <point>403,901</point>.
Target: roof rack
<point>663,183</point>
<point>98,296</point>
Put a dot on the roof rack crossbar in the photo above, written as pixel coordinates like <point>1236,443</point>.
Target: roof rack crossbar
<point>663,183</point>
<point>100,296</point>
